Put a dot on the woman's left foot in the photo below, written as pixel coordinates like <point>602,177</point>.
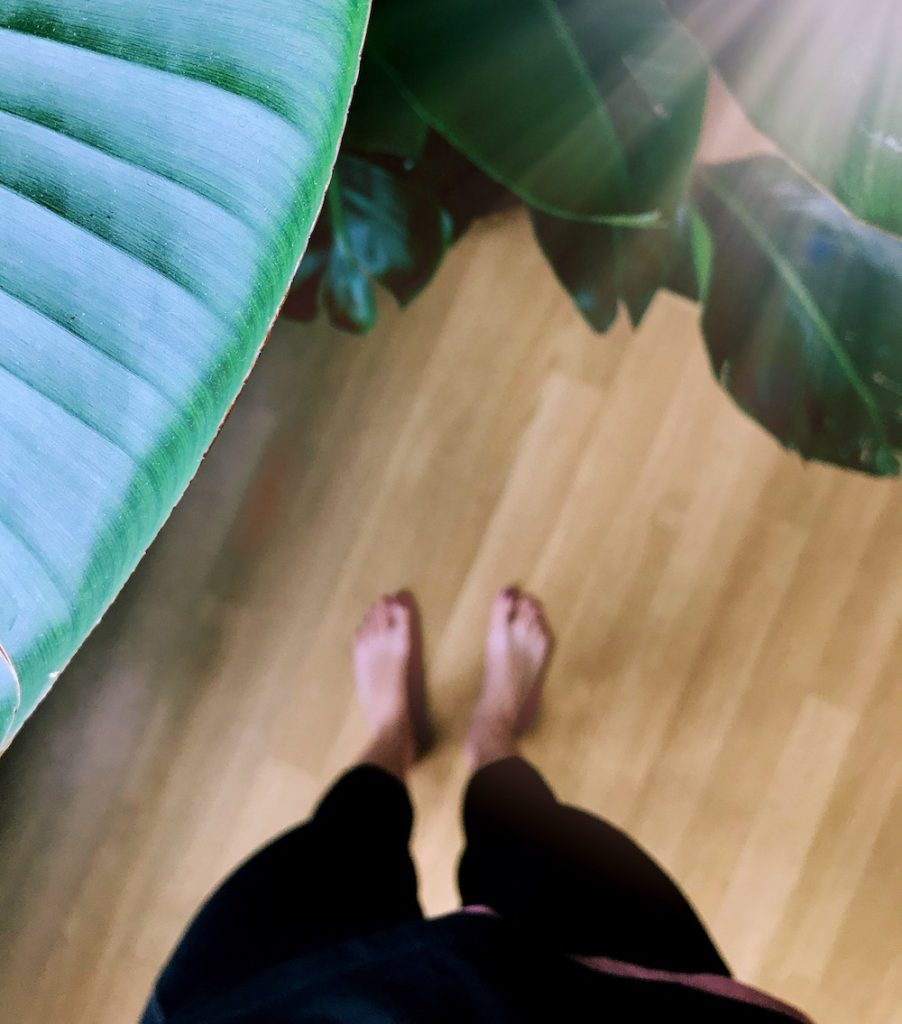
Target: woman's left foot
<point>388,665</point>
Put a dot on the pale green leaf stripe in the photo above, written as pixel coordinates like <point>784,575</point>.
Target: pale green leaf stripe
<point>161,165</point>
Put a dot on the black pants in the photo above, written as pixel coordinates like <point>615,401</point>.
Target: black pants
<point>577,883</point>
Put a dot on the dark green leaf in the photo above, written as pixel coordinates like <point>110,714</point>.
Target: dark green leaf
<point>458,185</point>
<point>347,293</point>
<point>381,120</point>
<point>652,79</point>
<point>161,165</point>
<point>824,80</point>
<point>601,265</point>
<point>803,312</point>
<point>586,109</point>
<point>377,226</point>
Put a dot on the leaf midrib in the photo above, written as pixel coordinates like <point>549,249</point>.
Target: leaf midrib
<point>562,31</point>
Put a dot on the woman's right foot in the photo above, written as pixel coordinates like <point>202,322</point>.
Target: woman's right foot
<point>517,651</point>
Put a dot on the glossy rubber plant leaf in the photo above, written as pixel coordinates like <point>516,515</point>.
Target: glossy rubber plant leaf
<point>380,119</point>
<point>803,312</point>
<point>824,80</point>
<point>377,225</point>
<point>583,108</point>
<point>161,165</point>
<point>601,265</point>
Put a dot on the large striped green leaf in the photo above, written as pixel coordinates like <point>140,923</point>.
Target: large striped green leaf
<point>161,165</point>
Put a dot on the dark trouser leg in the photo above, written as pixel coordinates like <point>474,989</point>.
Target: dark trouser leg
<point>577,882</point>
<point>345,872</point>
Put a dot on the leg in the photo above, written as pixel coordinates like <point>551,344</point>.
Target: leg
<point>347,870</point>
<point>577,881</point>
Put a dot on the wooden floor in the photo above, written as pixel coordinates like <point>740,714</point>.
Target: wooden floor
<point>725,686</point>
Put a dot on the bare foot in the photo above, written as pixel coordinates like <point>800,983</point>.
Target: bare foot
<point>517,652</point>
<point>388,665</point>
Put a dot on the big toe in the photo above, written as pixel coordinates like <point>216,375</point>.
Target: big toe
<point>384,612</point>
<point>398,615</point>
<point>504,606</point>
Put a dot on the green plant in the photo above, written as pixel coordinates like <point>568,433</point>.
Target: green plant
<point>589,112</point>
<point>162,164</point>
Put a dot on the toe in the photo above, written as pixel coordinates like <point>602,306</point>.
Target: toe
<point>400,606</point>
<point>505,605</point>
<point>531,613</point>
<point>528,610</point>
<point>385,613</point>
<point>399,614</point>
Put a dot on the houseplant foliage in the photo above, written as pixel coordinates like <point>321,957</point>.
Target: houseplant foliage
<point>163,162</point>
<point>161,165</point>
<point>589,112</point>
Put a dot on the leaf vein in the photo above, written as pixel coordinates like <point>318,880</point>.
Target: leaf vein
<point>36,557</point>
<point>169,399</point>
<point>112,155</point>
<point>182,285</point>
<point>277,109</point>
<point>73,413</point>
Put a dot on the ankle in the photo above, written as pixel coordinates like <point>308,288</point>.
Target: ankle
<point>495,715</point>
<point>393,729</point>
<point>389,718</point>
<point>490,738</point>
<point>392,746</point>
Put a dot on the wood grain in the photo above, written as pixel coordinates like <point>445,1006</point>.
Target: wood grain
<point>729,628</point>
